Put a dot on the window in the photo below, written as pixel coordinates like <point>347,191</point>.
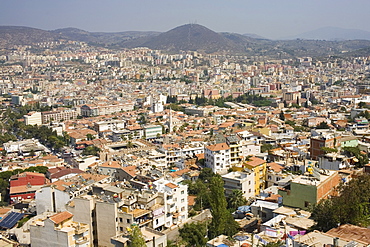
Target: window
<point>128,221</point>
<point>182,209</point>
<point>306,204</point>
<point>182,200</point>
<point>121,229</point>
<point>120,220</point>
<point>182,192</point>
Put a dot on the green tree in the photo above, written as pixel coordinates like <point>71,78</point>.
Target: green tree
<point>236,199</point>
<point>91,150</point>
<point>281,116</point>
<point>361,156</point>
<point>194,234</point>
<point>352,206</point>
<point>329,150</point>
<point>266,147</point>
<point>136,237</point>
<point>322,125</point>
<point>362,104</point>
<point>89,137</point>
<point>222,220</point>
<point>206,174</point>
<point>130,144</point>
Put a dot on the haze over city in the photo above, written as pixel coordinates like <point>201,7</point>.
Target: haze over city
<point>270,18</point>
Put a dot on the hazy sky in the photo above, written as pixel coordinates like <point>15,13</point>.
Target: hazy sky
<point>268,18</point>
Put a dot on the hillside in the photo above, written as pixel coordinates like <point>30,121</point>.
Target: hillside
<point>101,38</point>
<point>15,35</point>
<point>190,37</point>
<point>193,37</point>
<point>333,33</point>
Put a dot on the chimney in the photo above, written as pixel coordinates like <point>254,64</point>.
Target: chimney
<point>335,242</point>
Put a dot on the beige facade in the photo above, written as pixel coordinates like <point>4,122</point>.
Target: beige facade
<point>59,230</point>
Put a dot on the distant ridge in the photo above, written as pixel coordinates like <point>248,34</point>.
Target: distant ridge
<point>189,37</point>
<point>192,37</point>
<point>18,35</point>
<point>333,33</point>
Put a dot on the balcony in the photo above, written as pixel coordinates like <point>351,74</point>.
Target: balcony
<point>81,241</point>
<point>171,208</point>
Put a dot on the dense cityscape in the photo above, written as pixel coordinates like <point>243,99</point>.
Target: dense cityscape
<point>144,147</point>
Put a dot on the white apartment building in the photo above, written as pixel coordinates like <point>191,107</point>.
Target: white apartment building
<point>114,124</point>
<point>33,118</point>
<point>242,181</point>
<point>176,201</point>
<point>217,157</point>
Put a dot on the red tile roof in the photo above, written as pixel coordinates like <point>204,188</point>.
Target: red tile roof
<point>171,185</point>
<point>218,147</point>
<point>60,217</point>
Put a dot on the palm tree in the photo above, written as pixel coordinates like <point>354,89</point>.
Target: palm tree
<point>236,199</point>
<point>129,144</point>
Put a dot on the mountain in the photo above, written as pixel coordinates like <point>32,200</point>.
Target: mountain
<point>253,35</point>
<point>17,35</point>
<point>101,38</point>
<point>333,33</point>
<point>193,37</point>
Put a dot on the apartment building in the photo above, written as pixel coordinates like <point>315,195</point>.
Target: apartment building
<point>58,115</point>
<point>304,191</point>
<point>258,167</point>
<point>243,181</point>
<point>104,109</point>
<point>33,118</point>
<point>59,230</point>
<point>217,157</point>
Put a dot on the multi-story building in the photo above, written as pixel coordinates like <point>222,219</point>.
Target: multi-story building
<point>317,143</point>
<point>235,149</point>
<point>152,131</point>
<point>59,230</point>
<point>217,157</point>
<point>258,167</point>
<point>33,118</point>
<point>104,109</point>
<point>58,115</point>
<point>304,191</point>
<point>110,210</point>
<point>176,201</point>
<point>242,181</point>
<point>114,124</point>
<point>200,111</point>
<point>176,153</point>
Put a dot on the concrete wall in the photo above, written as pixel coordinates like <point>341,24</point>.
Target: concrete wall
<point>83,211</point>
<point>106,222</point>
<point>45,236</point>
<point>45,201</point>
<point>298,195</point>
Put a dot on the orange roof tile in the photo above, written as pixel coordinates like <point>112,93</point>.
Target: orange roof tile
<point>218,147</point>
<point>254,161</point>
<point>60,217</point>
<point>171,185</point>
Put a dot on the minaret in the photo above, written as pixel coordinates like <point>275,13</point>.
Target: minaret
<point>170,125</point>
